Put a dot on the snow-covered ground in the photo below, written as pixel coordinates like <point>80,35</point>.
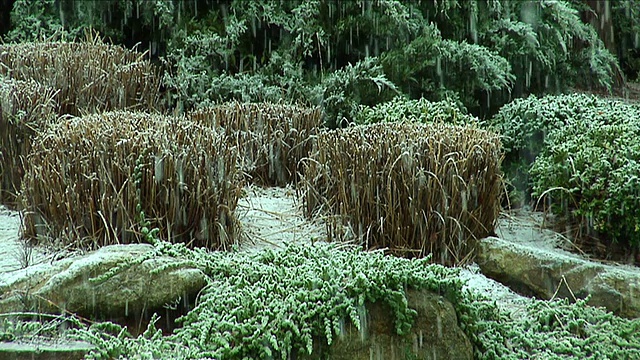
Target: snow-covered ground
<point>273,217</point>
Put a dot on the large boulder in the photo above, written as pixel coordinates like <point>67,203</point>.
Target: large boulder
<point>546,273</point>
<point>70,285</point>
<point>435,333</point>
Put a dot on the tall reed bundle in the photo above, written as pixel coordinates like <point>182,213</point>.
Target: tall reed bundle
<point>92,76</point>
<point>272,138</point>
<point>415,189</point>
<point>80,183</point>
<point>26,107</point>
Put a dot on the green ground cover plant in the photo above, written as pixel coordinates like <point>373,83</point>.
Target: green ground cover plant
<point>275,303</point>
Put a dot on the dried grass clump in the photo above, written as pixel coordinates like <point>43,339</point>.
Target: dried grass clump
<point>271,138</point>
<point>92,76</point>
<point>415,189</point>
<point>79,186</point>
<point>26,107</point>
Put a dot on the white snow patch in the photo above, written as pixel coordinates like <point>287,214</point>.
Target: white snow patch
<point>504,297</point>
<point>273,217</point>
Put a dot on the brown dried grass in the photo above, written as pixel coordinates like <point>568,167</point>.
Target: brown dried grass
<point>26,107</point>
<point>79,186</point>
<point>91,76</point>
<point>415,189</point>
<point>271,138</point>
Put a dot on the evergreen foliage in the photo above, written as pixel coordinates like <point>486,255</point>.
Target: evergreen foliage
<point>482,52</point>
<point>626,27</point>
<point>420,110</point>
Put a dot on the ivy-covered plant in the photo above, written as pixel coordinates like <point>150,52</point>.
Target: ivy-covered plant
<point>276,303</point>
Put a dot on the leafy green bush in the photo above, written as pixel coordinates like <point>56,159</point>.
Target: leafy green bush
<point>524,123</point>
<point>420,110</point>
<point>585,147</point>
<point>433,67</point>
<point>34,20</point>
<point>346,89</point>
<point>598,165</point>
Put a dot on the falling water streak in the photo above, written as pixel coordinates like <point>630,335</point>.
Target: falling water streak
<point>351,35</point>
<point>439,71</point>
<point>364,326</point>
<point>546,81</point>
<point>473,18</point>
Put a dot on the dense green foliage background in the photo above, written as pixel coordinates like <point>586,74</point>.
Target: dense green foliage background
<point>343,54</point>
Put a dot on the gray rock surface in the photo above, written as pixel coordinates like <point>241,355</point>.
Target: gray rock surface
<point>536,270</point>
<point>435,334</point>
<point>69,350</point>
<point>67,284</point>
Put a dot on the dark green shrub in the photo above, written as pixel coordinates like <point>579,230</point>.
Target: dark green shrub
<point>267,50</point>
<point>434,67</point>
<point>346,89</point>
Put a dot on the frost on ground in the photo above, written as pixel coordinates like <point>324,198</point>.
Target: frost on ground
<point>273,217</point>
<point>15,254</point>
<point>507,300</point>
